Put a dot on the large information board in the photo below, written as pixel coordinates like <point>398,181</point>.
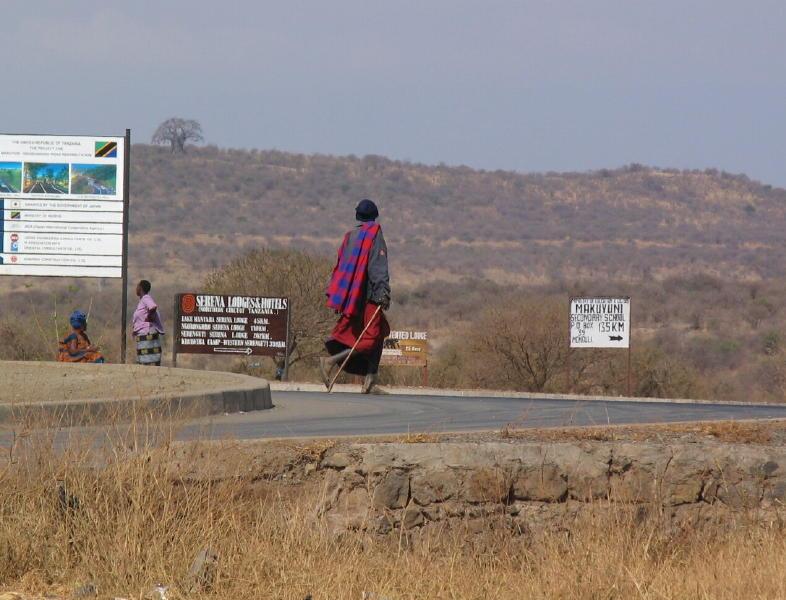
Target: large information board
<point>600,322</point>
<point>63,201</point>
<point>406,348</point>
<point>227,324</point>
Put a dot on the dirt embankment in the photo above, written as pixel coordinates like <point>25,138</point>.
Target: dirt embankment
<point>57,382</point>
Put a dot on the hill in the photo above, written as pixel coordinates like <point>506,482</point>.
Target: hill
<point>194,212</point>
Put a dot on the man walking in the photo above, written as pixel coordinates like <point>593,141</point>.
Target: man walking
<point>147,326</point>
<point>359,291</point>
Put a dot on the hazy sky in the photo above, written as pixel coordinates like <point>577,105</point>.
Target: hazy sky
<point>526,85</point>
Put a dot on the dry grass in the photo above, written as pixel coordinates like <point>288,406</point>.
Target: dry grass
<point>420,438</point>
<point>315,450</point>
<point>126,519</point>
<point>733,431</point>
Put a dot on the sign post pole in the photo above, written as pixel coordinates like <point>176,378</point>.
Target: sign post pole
<point>630,321</point>
<point>285,374</point>
<point>124,277</point>
<point>568,380</point>
<point>175,330</point>
<point>629,380</point>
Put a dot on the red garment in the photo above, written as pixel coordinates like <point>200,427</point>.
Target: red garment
<point>347,288</point>
<point>347,330</point>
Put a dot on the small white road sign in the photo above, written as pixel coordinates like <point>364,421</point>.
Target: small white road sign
<point>600,322</point>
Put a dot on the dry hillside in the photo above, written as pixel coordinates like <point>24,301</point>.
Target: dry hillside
<point>198,210</point>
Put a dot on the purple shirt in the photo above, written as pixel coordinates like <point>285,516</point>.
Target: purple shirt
<point>140,322</point>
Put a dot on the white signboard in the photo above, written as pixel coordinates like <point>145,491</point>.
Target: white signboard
<point>600,322</point>
<point>61,205</point>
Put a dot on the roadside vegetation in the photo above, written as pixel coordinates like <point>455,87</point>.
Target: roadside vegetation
<point>694,336</point>
<point>124,514</point>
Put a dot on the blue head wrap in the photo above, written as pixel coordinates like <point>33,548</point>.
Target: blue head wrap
<point>78,319</point>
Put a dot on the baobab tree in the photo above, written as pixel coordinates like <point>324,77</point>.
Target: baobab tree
<point>176,132</point>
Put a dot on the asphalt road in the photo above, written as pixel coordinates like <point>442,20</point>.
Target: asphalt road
<point>44,188</point>
<point>307,414</point>
<point>5,188</point>
<point>99,189</point>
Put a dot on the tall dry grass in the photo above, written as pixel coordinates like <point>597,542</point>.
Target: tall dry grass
<point>115,510</point>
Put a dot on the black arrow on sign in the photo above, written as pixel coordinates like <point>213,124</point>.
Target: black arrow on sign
<point>615,338</point>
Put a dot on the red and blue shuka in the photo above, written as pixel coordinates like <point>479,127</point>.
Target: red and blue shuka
<point>359,284</point>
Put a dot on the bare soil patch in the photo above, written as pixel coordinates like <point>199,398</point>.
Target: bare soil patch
<point>57,382</point>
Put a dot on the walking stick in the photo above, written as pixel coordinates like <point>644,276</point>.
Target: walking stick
<point>341,368</point>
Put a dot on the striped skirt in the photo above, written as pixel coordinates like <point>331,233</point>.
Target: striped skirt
<point>148,349</point>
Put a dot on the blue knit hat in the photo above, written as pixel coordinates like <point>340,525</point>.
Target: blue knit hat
<point>366,211</point>
<point>78,319</point>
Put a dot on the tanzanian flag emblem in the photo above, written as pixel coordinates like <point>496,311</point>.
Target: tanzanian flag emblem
<point>106,149</point>
<point>16,214</point>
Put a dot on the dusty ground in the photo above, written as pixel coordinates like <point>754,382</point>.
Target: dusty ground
<point>49,382</point>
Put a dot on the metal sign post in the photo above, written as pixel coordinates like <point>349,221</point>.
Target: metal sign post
<point>175,329</point>
<point>629,378</point>
<point>568,379</point>
<point>629,354</point>
<point>124,277</point>
<point>288,350</point>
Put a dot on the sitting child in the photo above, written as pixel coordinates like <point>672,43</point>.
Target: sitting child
<point>76,347</point>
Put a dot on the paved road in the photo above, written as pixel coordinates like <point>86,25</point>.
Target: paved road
<point>305,414</point>
<point>99,189</point>
<point>95,187</point>
<point>5,188</point>
<point>44,188</point>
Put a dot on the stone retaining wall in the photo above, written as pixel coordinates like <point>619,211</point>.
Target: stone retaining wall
<point>379,487</point>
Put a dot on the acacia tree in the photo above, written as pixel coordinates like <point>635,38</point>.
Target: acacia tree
<point>176,132</point>
<point>299,276</point>
<point>520,344</point>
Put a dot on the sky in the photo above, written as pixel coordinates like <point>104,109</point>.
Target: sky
<point>568,85</point>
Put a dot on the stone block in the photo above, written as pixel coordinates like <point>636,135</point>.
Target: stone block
<point>487,485</point>
<point>545,483</point>
<point>434,486</point>
<point>392,491</point>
